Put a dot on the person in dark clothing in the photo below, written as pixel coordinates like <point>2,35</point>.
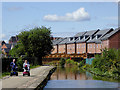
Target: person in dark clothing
<point>13,65</point>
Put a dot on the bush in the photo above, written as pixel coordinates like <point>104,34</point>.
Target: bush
<point>82,63</point>
<point>20,64</point>
<point>71,62</point>
<point>108,62</point>
<point>62,62</point>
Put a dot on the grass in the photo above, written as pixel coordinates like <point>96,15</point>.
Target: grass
<point>31,67</point>
<point>5,74</point>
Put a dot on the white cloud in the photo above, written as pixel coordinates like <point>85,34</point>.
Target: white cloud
<point>78,15</point>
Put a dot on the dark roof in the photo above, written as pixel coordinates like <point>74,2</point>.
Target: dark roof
<point>64,41</point>
<point>57,41</point>
<point>2,42</point>
<point>107,36</point>
<point>87,35</point>
<point>99,34</point>
<point>80,34</point>
<point>13,39</point>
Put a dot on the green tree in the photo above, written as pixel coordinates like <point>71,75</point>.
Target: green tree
<point>34,43</point>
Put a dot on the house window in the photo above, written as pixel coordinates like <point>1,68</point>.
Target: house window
<point>91,46</point>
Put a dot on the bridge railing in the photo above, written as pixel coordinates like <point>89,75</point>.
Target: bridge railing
<point>63,55</point>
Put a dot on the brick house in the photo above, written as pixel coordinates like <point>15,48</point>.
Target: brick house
<point>78,45</point>
<point>81,42</point>
<point>6,48</point>
<point>111,40</point>
<point>62,46</point>
<point>55,45</point>
<point>71,45</point>
<point>94,43</point>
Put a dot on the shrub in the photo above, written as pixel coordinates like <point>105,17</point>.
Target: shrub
<point>62,62</point>
<point>82,63</point>
<point>108,62</point>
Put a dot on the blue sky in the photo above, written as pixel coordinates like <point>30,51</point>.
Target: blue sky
<point>60,16</point>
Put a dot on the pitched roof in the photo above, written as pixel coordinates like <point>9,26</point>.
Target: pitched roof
<point>64,41</point>
<point>107,36</point>
<point>2,42</point>
<point>57,41</point>
<point>87,35</point>
<point>13,39</point>
<point>98,35</point>
<point>80,34</point>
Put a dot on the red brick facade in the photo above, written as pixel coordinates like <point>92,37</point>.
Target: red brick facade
<point>98,48</point>
<point>114,41</point>
<point>81,48</point>
<point>54,49</point>
<point>70,48</point>
<point>91,48</point>
<point>61,48</point>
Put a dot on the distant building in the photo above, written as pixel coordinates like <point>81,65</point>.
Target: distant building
<point>89,42</point>
<point>5,48</point>
<point>13,39</point>
<point>2,42</point>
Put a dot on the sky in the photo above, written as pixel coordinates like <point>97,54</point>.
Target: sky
<point>71,17</point>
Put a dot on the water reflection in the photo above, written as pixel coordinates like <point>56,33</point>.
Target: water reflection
<point>73,77</point>
<point>70,73</point>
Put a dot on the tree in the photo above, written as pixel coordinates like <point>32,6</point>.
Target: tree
<point>34,43</point>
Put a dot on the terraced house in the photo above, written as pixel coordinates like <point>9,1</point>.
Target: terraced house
<point>88,42</point>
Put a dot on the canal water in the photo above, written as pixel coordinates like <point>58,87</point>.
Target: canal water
<point>70,77</point>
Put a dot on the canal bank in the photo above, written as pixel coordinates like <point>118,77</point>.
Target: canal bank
<point>37,80</point>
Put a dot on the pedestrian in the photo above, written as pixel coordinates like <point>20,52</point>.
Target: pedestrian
<point>26,65</point>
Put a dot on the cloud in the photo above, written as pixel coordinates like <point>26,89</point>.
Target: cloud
<point>78,15</point>
<point>14,8</point>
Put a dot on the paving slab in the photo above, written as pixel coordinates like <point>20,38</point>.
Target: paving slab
<point>37,75</point>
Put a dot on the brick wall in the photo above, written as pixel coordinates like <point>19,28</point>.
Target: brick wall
<point>61,48</point>
<point>98,48</point>
<point>70,48</point>
<point>105,44</point>
<point>114,41</point>
<point>81,48</point>
<point>91,48</point>
<point>54,49</point>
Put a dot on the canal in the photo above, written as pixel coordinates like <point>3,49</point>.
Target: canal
<point>70,77</point>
